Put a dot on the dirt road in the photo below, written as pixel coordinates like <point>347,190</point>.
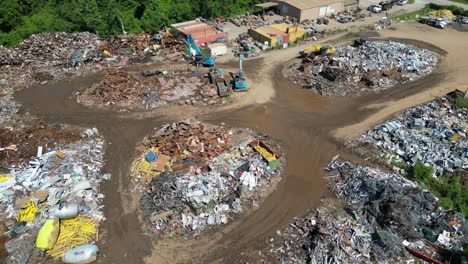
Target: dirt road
<point>304,122</point>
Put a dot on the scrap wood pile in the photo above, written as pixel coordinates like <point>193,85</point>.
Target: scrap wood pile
<point>364,67</point>
<point>378,217</point>
<point>194,175</point>
<point>50,200</point>
<point>122,90</point>
<point>434,133</point>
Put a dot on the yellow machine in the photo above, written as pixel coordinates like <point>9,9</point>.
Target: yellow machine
<point>318,49</point>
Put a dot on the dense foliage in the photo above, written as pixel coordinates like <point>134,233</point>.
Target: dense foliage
<point>21,18</point>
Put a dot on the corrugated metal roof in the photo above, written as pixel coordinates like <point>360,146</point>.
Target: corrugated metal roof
<point>267,4</point>
<point>306,4</point>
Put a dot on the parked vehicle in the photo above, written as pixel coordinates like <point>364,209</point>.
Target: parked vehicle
<point>375,8</point>
<point>387,5</point>
<point>433,21</point>
<point>344,19</point>
<point>401,2</point>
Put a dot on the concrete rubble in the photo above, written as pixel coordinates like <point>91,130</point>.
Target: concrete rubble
<point>362,68</point>
<point>126,91</point>
<point>208,174</point>
<point>434,133</point>
<point>376,217</point>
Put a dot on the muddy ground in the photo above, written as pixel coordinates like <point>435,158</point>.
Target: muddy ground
<point>310,127</point>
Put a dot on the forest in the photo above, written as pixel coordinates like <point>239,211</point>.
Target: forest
<point>21,18</point>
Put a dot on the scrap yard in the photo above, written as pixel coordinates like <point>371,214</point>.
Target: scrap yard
<point>301,132</point>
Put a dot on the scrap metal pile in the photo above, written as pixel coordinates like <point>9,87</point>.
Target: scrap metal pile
<point>250,20</point>
<point>53,56</point>
<point>434,133</point>
<point>194,175</point>
<point>144,47</point>
<point>377,218</point>
<point>364,67</point>
<point>122,90</point>
<point>46,56</point>
<point>49,191</point>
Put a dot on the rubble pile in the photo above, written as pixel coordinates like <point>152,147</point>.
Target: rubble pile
<point>366,67</point>
<point>378,217</point>
<point>434,133</point>
<point>59,181</point>
<point>122,90</point>
<point>194,175</point>
<point>46,56</point>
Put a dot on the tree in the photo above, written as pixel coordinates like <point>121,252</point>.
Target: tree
<point>10,15</point>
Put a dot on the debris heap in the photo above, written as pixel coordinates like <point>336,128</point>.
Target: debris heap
<point>379,217</point>
<point>364,67</point>
<point>194,175</point>
<point>122,90</point>
<point>434,133</point>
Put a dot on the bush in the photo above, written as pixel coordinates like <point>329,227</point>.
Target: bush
<point>422,172</point>
<point>449,189</point>
<point>461,102</point>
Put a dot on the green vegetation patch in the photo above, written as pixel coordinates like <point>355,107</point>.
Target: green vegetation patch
<point>461,102</point>
<point>20,19</point>
<point>449,189</point>
<point>460,1</point>
<point>458,11</point>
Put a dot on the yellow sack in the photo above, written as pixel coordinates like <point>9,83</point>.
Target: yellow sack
<point>48,234</point>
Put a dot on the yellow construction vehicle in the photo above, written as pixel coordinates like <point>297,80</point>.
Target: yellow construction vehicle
<point>318,49</point>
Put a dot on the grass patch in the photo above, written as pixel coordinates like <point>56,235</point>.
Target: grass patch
<point>460,1</point>
<point>451,192</point>
<point>410,2</point>
<point>461,102</point>
<point>413,15</point>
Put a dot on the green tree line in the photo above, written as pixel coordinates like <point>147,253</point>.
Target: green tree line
<point>21,18</point>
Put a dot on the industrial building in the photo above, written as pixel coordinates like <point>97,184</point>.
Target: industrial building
<point>277,35</point>
<point>307,9</point>
<point>201,32</point>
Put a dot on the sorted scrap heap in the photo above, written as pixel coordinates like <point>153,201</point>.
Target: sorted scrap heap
<point>195,174</point>
<point>365,67</point>
<point>434,133</point>
<point>378,217</point>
